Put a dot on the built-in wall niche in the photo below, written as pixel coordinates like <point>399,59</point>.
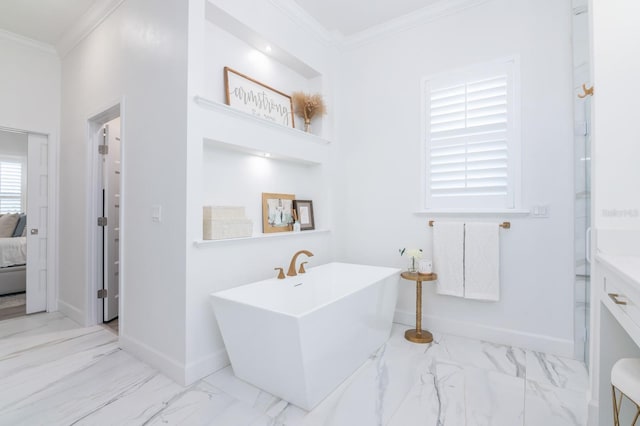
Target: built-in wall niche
<point>230,43</point>
<point>236,178</point>
<point>231,128</point>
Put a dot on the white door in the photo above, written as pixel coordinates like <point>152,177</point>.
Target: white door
<point>111,210</point>
<point>37,213</point>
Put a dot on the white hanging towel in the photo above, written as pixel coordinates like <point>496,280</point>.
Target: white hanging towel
<point>482,261</point>
<point>448,252</point>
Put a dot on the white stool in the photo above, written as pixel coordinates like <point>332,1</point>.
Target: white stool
<point>625,377</point>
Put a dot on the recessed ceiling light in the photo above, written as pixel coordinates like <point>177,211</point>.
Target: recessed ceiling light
<point>266,155</point>
<point>268,49</point>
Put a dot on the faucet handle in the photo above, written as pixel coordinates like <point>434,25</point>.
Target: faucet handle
<point>280,274</point>
<point>301,270</point>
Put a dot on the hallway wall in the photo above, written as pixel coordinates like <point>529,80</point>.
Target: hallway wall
<point>137,56</point>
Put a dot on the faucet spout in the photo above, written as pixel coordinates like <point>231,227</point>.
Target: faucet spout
<point>292,266</point>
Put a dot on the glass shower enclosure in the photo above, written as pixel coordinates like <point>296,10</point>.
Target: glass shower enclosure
<point>582,178</point>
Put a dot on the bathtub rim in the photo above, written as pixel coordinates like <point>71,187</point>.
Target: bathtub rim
<point>216,295</point>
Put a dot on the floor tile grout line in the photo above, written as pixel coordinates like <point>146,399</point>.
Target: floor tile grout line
<point>115,398</point>
<point>51,343</point>
<point>70,373</point>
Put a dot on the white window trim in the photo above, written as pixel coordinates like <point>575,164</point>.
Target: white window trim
<point>514,143</point>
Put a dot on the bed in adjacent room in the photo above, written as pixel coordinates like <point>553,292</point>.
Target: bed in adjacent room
<point>13,253</point>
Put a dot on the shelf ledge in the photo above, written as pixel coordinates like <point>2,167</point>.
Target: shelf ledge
<point>207,243</point>
<point>228,128</point>
<point>226,109</point>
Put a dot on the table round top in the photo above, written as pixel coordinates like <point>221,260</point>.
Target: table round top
<point>415,276</point>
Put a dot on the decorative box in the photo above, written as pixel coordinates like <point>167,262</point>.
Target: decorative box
<point>223,212</point>
<point>222,222</point>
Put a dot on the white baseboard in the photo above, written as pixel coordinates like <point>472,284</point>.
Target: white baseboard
<point>180,374</point>
<point>171,368</point>
<point>205,366</point>
<point>535,342</point>
<point>72,312</point>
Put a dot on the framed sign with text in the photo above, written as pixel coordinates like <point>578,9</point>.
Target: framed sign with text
<point>250,96</point>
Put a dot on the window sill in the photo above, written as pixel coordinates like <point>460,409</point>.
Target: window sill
<point>473,212</point>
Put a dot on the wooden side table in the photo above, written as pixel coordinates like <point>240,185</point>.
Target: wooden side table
<point>418,335</point>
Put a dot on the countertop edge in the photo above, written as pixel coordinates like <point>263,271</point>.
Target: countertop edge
<point>626,266</point>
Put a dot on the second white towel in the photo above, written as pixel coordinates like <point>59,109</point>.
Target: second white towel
<point>482,261</point>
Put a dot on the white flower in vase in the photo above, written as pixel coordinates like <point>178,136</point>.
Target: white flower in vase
<point>414,253</point>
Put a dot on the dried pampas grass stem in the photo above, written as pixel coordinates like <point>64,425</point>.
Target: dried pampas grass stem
<point>308,106</point>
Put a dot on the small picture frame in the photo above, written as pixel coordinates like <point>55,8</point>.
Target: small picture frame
<point>250,96</point>
<point>304,212</point>
<point>277,212</point>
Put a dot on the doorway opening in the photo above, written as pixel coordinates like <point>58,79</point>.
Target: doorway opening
<point>24,241</point>
<point>106,163</point>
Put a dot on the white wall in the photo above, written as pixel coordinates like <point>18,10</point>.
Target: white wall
<point>13,144</point>
<point>138,54</point>
<point>29,85</point>
<point>616,147</point>
<point>380,146</point>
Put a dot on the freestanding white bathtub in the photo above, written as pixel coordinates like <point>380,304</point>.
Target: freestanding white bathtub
<point>300,337</point>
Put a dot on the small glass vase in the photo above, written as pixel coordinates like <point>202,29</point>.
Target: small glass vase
<point>413,266</point>
<point>307,125</point>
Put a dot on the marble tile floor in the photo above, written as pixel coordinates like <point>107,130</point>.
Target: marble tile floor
<point>53,372</point>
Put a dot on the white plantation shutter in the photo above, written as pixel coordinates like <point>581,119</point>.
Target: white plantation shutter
<point>11,186</point>
<point>470,133</point>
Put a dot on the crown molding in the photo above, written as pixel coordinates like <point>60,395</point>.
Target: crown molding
<point>85,25</point>
<point>409,21</point>
<point>26,41</point>
<point>303,19</point>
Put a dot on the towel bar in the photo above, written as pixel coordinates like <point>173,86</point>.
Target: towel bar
<point>505,225</point>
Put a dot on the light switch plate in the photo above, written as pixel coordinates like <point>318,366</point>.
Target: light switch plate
<point>156,213</point>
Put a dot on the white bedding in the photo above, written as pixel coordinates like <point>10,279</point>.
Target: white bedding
<point>13,251</point>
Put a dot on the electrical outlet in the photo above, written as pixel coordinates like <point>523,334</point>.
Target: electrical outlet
<point>540,211</point>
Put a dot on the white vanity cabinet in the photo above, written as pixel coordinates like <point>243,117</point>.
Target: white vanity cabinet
<point>617,281</point>
<point>621,287</point>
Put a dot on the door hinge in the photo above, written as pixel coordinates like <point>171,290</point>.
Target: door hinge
<point>102,293</point>
<point>103,149</point>
<point>102,221</point>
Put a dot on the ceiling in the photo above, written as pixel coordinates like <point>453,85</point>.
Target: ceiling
<point>47,20</point>
<point>42,20</point>
<point>349,17</point>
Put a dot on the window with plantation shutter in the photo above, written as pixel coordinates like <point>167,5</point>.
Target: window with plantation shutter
<point>11,185</point>
<point>472,148</point>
